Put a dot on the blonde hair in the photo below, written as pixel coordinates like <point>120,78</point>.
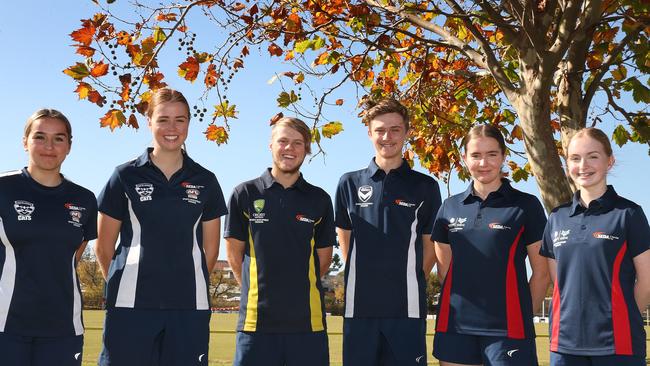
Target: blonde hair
<point>595,134</point>
<point>48,113</point>
<point>298,125</point>
<point>166,95</point>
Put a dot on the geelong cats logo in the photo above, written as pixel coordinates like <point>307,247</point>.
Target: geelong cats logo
<point>144,190</point>
<point>24,210</point>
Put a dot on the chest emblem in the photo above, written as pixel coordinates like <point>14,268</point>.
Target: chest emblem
<point>303,218</point>
<point>364,193</point>
<point>144,190</point>
<point>24,210</point>
<point>560,237</point>
<point>602,235</point>
<point>192,191</point>
<point>258,205</point>
<point>497,226</point>
<point>457,224</point>
<point>404,203</point>
<point>75,214</point>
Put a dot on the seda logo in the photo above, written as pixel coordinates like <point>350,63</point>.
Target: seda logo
<point>497,226</point>
<point>303,218</point>
<point>602,235</point>
<point>404,203</point>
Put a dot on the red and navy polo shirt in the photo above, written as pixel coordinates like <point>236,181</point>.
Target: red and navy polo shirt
<point>159,262</point>
<point>41,229</point>
<point>593,311</point>
<point>486,290</point>
<point>282,228</point>
<point>387,215</point>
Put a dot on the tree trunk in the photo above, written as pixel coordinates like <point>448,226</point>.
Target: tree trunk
<point>533,105</point>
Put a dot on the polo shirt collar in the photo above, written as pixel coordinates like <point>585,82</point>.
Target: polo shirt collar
<point>268,180</point>
<point>606,201</point>
<point>145,159</point>
<point>505,190</point>
<point>373,168</point>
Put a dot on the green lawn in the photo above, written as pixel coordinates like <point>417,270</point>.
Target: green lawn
<point>222,339</point>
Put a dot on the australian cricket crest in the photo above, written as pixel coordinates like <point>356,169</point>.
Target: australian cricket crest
<point>259,217</point>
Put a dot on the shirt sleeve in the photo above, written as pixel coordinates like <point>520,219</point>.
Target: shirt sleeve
<point>325,233</point>
<point>432,205</point>
<point>440,230</point>
<point>90,226</point>
<point>638,232</point>
<point>112,200</point>
<point>546,250</point>
<point>236,220</point>
<point>534,221</point>
<point>341,205</point>
<point>216,205</point>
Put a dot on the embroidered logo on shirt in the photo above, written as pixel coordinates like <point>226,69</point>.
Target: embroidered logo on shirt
<point>75,214</point>
<point>497,226</point>
<point>602,235</point>
<point>258,205</point>
<point>24,209</point>
<point>560,237</point>
<point>364,193</point>
<point>144,190</point>
<point>192,191</point>
<point>456,224</point>
<point>302,218</point>
<point>404,203</point>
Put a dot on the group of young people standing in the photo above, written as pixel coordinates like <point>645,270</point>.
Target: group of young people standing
<point>165,209</point>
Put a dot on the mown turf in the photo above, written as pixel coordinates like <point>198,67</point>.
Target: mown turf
<point>222,339</point>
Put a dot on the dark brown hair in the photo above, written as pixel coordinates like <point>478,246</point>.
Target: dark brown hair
<point>485,131</point>
<point>385,106</point>
<point>298,125</point>
<point>166,95</point>
<point>48,113</point>
<point>595,134</point>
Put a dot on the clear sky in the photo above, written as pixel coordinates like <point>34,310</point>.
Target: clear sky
<point>36,48</point>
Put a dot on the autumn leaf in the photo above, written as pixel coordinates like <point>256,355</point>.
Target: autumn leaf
<point>244,51</point>
<point>166,17</point>
<point>517,133</point>
<point>275,50</point>
<point>99,69</point>
<point>85,51</point>
<point>83,89</point>
<point>96,98</point>
<point>78,71</point>
<point>211,76</point>
<point>332,129</point>
<point>112,119</point>
<point>84,35</point>
<point>339,102</point>
<point>275,118</point>
<point>225,110</point>
<point>285,99</point>
<point>133,121</point>
<point>238,63</point>
<point>189,69</point>
<point>159,35</point>
<point>123,38</point>
<point>217,134</point>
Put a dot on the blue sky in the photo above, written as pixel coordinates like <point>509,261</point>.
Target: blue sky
<point>36,48</point>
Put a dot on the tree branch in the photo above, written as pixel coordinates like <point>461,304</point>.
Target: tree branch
<point>595,83</point>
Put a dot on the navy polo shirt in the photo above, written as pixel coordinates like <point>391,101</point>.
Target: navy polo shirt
<point>387,215</point>
<point>282,228</point>
<point>486,289</point>
<point>41,229</point>
<point>159,262</point>
<point>593,310</point>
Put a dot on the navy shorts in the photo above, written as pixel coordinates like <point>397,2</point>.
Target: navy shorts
<point>384,341</point>
<point>485,350</point>
<point>16,350</point>
<point>563,359</point>
<point>134,337</point>
<point>281,349</point>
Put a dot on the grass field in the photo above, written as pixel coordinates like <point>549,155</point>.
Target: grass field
<point>222,339</point>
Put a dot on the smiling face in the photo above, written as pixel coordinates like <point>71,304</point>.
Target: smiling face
<point>288,149</point>
<point>48,144</point>
<point>388,134</point>
<point>588,162</point>
<point>484,157</point>
<point>169,123</point>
